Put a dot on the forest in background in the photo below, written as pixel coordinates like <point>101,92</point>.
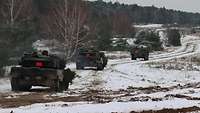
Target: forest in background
<point>75,23</point>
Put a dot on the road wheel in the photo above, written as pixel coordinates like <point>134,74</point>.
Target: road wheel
<point>132,57</point>
<point>14,84</point>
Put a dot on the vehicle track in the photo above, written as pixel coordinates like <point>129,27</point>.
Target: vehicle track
<point>101,95</point>
<point>190,48</point>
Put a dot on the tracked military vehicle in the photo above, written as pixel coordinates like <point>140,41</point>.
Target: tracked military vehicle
<point>40,69</point>
<point>91,58</point>
<point>139,51</point>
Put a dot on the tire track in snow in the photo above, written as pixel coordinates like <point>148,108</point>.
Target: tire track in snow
<point>190,48</point>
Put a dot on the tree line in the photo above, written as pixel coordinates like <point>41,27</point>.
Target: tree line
<point>147,14</point>
<point>75,24</point>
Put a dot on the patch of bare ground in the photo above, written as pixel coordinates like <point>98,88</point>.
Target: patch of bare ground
<point>183,96</point>
<point>20,99</point>
<point>182,110</point>
<point>184,63</point>
<point>154,89</point>
<point>16,99</point>
<point>32,98</point>
<point>147,98</point>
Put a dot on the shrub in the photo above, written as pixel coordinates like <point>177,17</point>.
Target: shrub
<point>174,37</point>
<point>150,39</point>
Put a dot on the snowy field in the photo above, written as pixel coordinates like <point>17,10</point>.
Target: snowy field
<point>125,85</point>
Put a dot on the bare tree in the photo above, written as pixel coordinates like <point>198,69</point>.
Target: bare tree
<point>66,23</point>
<point>15,10</point>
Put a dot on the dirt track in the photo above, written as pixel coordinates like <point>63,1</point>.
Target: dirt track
<point>9,100</point>
<point>93,88</point>
<point>182,110</point>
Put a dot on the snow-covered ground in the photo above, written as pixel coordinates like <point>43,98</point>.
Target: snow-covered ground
<point>123,86</point>
<point>149,26</point>
<point>5,85</point>
<point>85,107</point>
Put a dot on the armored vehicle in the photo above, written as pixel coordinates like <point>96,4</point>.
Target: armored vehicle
<point>91,58</point>
<point>139,51</point>
<point>40,69</point>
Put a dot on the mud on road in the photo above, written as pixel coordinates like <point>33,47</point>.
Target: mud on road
<point>131,94</point>
<point>93,87</point>
<point>183,110</point>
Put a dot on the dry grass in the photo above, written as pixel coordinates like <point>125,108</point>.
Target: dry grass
<point>184,63</point>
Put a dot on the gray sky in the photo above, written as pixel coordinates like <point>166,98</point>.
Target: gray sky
<point>183,5</point>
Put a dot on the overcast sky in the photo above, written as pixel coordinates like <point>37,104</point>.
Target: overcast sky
<point>183,5</point>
